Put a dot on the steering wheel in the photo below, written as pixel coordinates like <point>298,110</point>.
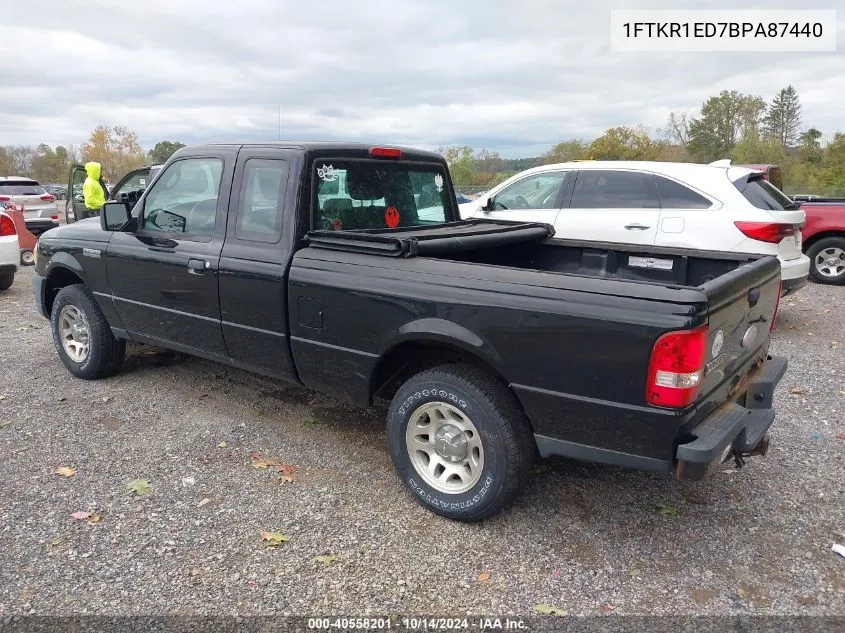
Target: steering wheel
<point>521,203</point>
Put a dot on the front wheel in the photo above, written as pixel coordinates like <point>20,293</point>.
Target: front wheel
<point>460,441</point>
<point>82,336</point>
<point>827,260</point>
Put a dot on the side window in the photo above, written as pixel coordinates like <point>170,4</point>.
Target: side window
<point>534,192</point>
<point>184,199</point>
<point>262,196</point>
<point>606,189</point>
<point>674,195</point>
<point>137,181</point>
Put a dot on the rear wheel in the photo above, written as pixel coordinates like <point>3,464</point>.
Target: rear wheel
<point>6,280</point>
<point>27,258</point>
<point>827,260</point>
<point>460,441</point>
<point>82,336</point>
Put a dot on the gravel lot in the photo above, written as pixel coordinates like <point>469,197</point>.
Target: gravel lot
<point>587,539</point>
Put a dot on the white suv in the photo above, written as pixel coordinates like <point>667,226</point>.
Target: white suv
<point>716,207</point>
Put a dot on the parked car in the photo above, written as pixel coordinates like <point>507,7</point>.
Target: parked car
<point>824,237</point>
<point>493,341</point>
<point>59,192</point>
<point>715,207</point>
<point>10,250</point>
<point>38,205</point>
<point>127,188</point>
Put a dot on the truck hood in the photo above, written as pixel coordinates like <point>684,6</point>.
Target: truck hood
<point>88,229</point>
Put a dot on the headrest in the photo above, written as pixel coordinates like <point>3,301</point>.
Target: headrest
<point>364,184</point>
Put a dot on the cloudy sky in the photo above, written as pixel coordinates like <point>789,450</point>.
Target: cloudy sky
<point>512,76</point>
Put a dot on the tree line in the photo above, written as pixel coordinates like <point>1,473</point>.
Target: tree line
<point>741,127</point>
<point>115,148</point>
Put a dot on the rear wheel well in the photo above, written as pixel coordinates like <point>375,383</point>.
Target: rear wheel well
<point>820,236</point>
<point>58,279</point>
<point>410,358</point>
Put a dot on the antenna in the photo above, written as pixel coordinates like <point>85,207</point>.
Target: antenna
<point>280,123</point>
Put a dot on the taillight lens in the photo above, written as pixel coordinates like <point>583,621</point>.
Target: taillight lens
<point>771,232</point>
<point>676,368</point>
<point>7,226</point>
<point>5,198</point>
<point>48,198</point>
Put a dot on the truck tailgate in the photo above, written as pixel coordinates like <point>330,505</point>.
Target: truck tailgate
<point>743,306</point>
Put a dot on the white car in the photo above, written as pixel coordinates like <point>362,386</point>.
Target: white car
<point>10,250</point>
<point>715,207</point>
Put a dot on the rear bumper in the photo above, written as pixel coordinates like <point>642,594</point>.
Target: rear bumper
<point>794,274</point>
<point>737,427</point>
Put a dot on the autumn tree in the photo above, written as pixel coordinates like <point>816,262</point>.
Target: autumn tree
<point>625,143</point>
<point>50,165</point>
<point>783,117</point>
<point>116,149</point>
<point>565,151</point>
<point>810,147</point>
<point>724,119</point>
<point>676,131</point>
<point>459,159</point>
<point>834,161</point>
<point>164,150</point>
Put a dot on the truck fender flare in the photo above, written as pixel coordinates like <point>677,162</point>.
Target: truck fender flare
<point>68,262</point>
<point>433,330</point>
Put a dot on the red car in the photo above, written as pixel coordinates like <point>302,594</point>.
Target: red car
<point>824,237</point>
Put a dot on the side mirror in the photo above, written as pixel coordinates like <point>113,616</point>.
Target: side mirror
<point>114,216</point>
<point>487,206</point>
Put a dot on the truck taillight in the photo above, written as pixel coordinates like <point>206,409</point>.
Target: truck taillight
<point>676,368</point>
<point>7,226</point>
<point>771,232</point>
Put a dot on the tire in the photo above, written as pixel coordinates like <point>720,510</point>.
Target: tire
<point>507,445</point>
<point>27,257</point>
<point>6,280</point>
<point>821,254</point>
<point>104,354</point>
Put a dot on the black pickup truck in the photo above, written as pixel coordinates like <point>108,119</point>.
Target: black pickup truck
<point>345,268</point>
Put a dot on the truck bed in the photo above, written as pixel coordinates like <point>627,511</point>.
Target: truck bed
<point>532,246</point>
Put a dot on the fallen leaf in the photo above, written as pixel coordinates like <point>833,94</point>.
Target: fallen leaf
<point>840,436</point>
<point>702,596</point>
<point>66,471</point>
<point>94,518</point>
<point>222,445</point>
<point>286,479</point>
<point>273,539</point>
<point>326,560</point>
<point>484,576</point>
<point>607,607</point>
<point>3,397</point>
<point>286,469</point>
<point>3,425</point>
<point>106,398</point>
<point>204,502</point>
<point>667,511</point>
<point>111,422</point>
<point>834,344</point>
<point>547,609</point>
<point>62,399</point>
<point>140,487</point>
<point>265,462</point>
<point>741,592</point>
<point>806,601</point>
<point>81,515</point>
<point>798,391</point>
<point>634,572</point>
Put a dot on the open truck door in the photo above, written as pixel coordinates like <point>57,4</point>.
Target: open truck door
<point>75,208</point>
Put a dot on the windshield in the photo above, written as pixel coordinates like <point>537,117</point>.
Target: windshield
<point>361,195</point>
<point>763,194</point>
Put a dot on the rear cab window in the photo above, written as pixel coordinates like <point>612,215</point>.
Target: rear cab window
<point>360,194</point>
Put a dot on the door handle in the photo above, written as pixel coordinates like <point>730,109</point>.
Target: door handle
<point>197,266</point>
<point>640,227</point>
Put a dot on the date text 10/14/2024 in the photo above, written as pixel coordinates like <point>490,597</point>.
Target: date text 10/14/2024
<point>418,624</point>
